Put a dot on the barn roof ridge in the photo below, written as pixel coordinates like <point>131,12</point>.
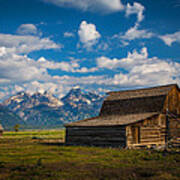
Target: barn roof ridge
<point>140,93</point>
<point>146,88</point>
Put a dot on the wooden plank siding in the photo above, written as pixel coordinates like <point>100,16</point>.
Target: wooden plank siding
<point>172,102</point>
<point>172,109</point>
<point>174,128</point>
<point>151,131</point>
<point>133,106</point>
<point>96,136</point>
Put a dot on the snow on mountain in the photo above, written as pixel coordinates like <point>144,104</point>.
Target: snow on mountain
<point>44,109</point>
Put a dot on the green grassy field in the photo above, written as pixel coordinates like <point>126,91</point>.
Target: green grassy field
<point>42,155</point>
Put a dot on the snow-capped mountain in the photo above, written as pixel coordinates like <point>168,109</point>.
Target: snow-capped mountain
<point>76,97</point>
<point>45,110</point>
<point>79,105</point>
<point>37,109</point>
<point>23,100</point>
<point>46,98</point>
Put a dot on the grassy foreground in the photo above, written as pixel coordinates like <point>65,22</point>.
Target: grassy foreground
<point>41,155</point>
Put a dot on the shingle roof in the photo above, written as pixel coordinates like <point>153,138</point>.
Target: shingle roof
<point>113,120</point>
<point>1,128</point>
<point>137,93</point>
<point>133,106</point>
<point>136,101</point>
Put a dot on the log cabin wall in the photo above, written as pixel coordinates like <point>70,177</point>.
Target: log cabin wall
<point>174,129</point>
<point>96,136</point>
<point>172,104</point>
<point>147,132</point>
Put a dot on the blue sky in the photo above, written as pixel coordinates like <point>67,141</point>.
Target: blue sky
<point>99,45</point>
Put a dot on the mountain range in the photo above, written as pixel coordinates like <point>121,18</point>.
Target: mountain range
<point>44,110</point>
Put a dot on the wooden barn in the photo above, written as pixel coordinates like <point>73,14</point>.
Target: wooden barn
<point>141,117</point>
<point>1,130</point>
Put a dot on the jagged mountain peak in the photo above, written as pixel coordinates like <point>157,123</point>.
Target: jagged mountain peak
<point>44,109</point>
<point>22,93</point>
<point>25,100</point>
<point>76,87</point>
<point>75,90</point>
<point>73,93</point>
<point>76,98</point>
<point>18,98</point>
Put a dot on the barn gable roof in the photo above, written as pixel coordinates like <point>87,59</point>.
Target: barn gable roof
<point>140,93</point>
<point>112,120</point>
<point>136,101</point>
<point>1,128</point>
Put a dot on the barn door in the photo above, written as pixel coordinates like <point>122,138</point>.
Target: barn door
<point>136,134</point>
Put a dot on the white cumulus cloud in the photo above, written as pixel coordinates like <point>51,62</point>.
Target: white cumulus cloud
<point>130,61</point>
<point>17,68</point>
<point>88,34</point>
<point>70,66</point>
<point>26,43</point>
<point>171,38</point>
<point>102,6</point>
<point>137,69</point>
<point>135,33</point>
<point>136,8</point>
<point>27,29</point>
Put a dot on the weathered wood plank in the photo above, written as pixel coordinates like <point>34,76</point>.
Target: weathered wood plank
<point>121,145</point>
<point>95,128</point>
<point>96,133</point>
<point>94,139</point>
